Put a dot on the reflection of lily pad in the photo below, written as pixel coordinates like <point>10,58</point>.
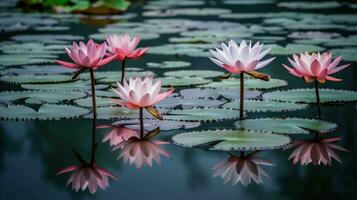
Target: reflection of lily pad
<point>216,93</point>
<point>286,126</point>
<point>193,73</point>
<point>229,140</point>
<point>184,81</point>
<point>248,83</point>
<point>265,106</point>
<point>308,95</point>
<point>36,97</point>
<point>45,112</point>
<point>204,114</point>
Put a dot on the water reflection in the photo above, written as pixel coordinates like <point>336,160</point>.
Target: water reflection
<point>243,169</point>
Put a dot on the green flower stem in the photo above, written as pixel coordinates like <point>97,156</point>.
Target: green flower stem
<point>94,144</point>
<point>241,96</point>
<point>318,99</point>
<point>122,71</point>
<point>141,123</point>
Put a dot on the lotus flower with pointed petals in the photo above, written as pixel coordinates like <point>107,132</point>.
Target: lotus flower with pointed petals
<point>244,170</point>
<point>90,55</point>
<point>124,47</point>
<point>142,151</point>
<point>117,134</point>
<point>243,58</point>
<point>317,152</point>
<point>87,176</point>
<point>140,93</point>
<point>315,66</point>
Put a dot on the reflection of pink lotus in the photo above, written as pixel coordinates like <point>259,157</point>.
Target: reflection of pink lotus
<point>90,55</point>
<point>241,169</point>
<point>87,176</point>
<point>118,134</point>
<point>316,152</point>
<point>142,151</point>
<point>140,93</point>
<point>124,47</point>
<point>315,66</point>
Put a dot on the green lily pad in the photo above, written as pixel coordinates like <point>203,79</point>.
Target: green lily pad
<point>45,112</point>
<point>230,140</point>
<point>79,85</point>
<point>286,125</point>
<point>183,81</point>
<point>115,76</point>
<point>249,83</point>
<point>265,106</point>
<point>116,112</point>
<point>26,59</point>
<point>100,102</point>
<point>202,114</point>
<point>185,11</point>
<point>195,73</point>
<point>31,48</point>
<point>47,38</point>
<point>292,48</point>
<point>217,93</point>
<point>39,69</point>
<point>169,64</point>
<point>185,103</point>
<point>18,79</point>
<point>310,5</point>
<point>151,124</point>
<point>307,95</point>
<point>36,97</point>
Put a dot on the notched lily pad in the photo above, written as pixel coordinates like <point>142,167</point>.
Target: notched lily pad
<point>266,106</point>
<point>200,114</point>
<point>212,93</point>
<point>174,102</point>
<point>327,96</point>
<point>100,102</point>
<point>116,112</point>
<point>195,73</point>
<point>183,81</point>
<point>45,112</point>
<point>229,140</point>
<point>150,124</point>
<point>18,79</point>
<point>286,125</point>
<point>249,83</point>
<point>39,97</point>
<point>169,64</point>
<point>79,85</point>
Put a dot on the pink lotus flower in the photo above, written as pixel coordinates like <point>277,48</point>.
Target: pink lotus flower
<point>318,152</point>
<point>124,48</point>
<point>243,58</point>
<point>84,176</point>
<point>241,169</point>
<point>142,151</point>
<point>140,93</point>
<point>118,134</point>
<point>90,55</point>
<point>315,66</point>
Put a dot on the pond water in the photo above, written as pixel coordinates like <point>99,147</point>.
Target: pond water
<point>179,35</point>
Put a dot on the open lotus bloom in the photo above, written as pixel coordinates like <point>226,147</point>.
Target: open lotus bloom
<point>142,151</point>
<point>244,170</point>
<point>124,47</point>
<point>243,58</point>
<point>87,176</point>
<point>315,66</point>
<point>90,55</point>
<point>317,152</point>
<point>118,134</point>
<point>140,93</point>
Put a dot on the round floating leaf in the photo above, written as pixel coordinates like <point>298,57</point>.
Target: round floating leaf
<point>286,125</point>
<point>69,86</point>
<point>217,93</point>
<point>186,11</point>
<point>39,69</point>
<point>230,140</point>
<point>169,64</point>
<point>197,73</point>
<point>249,83</point>
<point>115,112</point>
<point>39,97</point>
<point>36,78</point>
<point>198,114</point>
<point>292,48</point>
<point>26,59</point>
<point>265,106</point>
<point>150,124</point>
<point>45,112</point>
<point>173,102</point>
<point>47,39</point>
<point>31,48</point>
<point>184,81</point>
<point>115,76</point>
<point>308,95</point>
<point>309,5</point>
<point>100,102</point>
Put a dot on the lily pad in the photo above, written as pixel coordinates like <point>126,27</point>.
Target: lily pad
<point>308,95</point>
<point>36,97</point>
<point>202,114</point>
<point>230,140</point>
<point>45,112</point>
<point>18,79</point>
<point>100,102</point>
<point>150,124</point>
<point>195,73</point>
<point>286,125</point>
<point>249,83</point>
<point>115,76</point>
<point>217,93</point>
<point>39,69</point>
<point>169,64</point>
<point>26,59</point>
<point>265,106</point>
<point>183,81</point>
<point>79,85</point>
<point>310,5</point>
<point>47,38</point>
<point>116,112</point>
<point>174,102</point>
<point>292,48</point>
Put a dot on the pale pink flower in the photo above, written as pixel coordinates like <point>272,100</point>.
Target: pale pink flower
<point>87,176</point>
<point>243,58</point>
<point>124,47</point>
<point>142,151</point>
<point>315,66</point>
<point>90,55</point>
<point>241,169</point>
<point>140,93</point>
<point>118,134</point>
<point>318,152</point>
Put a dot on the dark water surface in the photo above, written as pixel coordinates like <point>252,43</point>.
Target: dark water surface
<point>31,152</point>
